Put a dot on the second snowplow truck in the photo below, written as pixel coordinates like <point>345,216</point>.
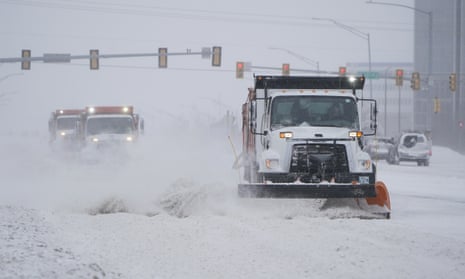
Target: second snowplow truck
<point>105,126</point>
<point>302,138</point>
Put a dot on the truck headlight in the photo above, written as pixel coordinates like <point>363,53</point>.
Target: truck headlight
<point>129,138</point>
<point>366,164</point>
<point>355,134</point>
<point>94,139</point>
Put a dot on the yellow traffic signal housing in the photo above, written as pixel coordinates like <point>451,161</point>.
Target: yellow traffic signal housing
<point>163,57</point>
<point>240,69</point>
<point>453,82</point>
<point>399,77</point>
<point>216,58</point>
<point>94,59</point>
<point>437,105</point>
<point>286,70</point>
<point>415,82</point>
<point>25,64</point>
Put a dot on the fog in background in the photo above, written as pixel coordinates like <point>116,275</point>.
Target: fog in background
<point>190,91</point>
<point>185,141</point>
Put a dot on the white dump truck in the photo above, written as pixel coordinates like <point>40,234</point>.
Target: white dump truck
<point>302,138</point>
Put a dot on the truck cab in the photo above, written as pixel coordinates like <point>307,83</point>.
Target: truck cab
<point>109,126</point>
<point>61,127</point>
<point>307,137</point>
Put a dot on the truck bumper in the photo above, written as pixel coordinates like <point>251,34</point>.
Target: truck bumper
<point>306,190</point>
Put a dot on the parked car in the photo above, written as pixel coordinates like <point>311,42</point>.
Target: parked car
<point>379,147</point>
<point>413,147</point>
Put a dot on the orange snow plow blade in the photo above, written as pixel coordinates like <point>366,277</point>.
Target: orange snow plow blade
<point>382,198</point>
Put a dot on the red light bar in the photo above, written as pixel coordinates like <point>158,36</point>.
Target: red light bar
<point>110,110</point>
<point>68,111</point>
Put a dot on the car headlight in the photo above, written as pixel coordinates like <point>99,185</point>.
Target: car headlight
<point>271,163</point>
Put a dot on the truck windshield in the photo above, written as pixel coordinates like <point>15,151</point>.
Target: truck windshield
<point>324,111</point>
<point>66,122</point>
<point>110,125</point>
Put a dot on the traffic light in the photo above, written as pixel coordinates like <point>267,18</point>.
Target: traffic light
<point>415,82</point>
<point>453,82</point>
<point>342,71</point>
<point>399,77</point>
<point>216,58</point>
<point>437,105</point>
<point>26,64</point>
<point>286,69</point>
<point>94,63</point>
<point>163,57</point>
<point>239,69</point>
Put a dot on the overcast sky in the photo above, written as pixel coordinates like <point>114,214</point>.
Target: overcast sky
<point>264,33</point>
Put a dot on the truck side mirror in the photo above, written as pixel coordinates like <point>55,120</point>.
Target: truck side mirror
<point>372,118</point>
<point>142,126</point>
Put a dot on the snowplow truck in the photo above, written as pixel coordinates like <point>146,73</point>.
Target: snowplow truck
<point>61,126</point>
<point>302,138</point>
<point>102,126</point>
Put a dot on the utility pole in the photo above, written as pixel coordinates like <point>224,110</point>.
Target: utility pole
<point>459,105</point>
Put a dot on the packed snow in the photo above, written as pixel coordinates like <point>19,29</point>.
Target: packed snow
<point>168,208</point>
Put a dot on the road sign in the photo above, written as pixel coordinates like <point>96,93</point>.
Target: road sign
<point>57,57</point>
<point>206,53</point>
<point>369,75</point>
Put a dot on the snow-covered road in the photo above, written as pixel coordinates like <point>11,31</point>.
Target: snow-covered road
<point>181,219</point>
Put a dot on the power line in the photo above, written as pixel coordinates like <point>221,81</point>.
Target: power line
<point>188,14</point>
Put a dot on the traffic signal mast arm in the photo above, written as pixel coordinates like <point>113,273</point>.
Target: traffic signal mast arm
<point>66,58</point>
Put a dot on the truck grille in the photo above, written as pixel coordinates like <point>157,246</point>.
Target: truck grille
<point>316,162</point>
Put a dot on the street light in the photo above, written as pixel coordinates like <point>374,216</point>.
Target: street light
<point>427,120</point>
<point>430,29</point>
<point>358,33</point>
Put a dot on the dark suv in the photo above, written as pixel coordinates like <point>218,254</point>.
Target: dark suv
<point>411,146</point>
